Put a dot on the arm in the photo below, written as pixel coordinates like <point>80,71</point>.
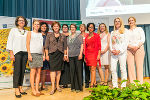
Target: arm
<point>124,44</point>
<point>107,47</point>
<point>81,47</point>
<point>99,47</point>
<point>9,47</point>
<point>81,52</point>
<point>65,48</point>
<point>142,40</point>
<point>47,47</point>
<point>28,46</point>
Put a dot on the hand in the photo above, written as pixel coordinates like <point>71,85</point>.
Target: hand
<point>135,48</point>
<point>43,58</point>
<point>29,57</point>
<point>84,60</point>
<point>12,57</point>
<point>65,58</point>
<point>98,57</point>
<point>102,52</point>
<point>47,58</point>
<point>115,52</point>
<point>80,57</point>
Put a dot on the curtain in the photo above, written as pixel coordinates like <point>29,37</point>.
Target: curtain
<point>48,9</point>
<point>146,66</point>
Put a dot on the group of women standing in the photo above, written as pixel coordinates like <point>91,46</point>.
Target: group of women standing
<point>64,54</point>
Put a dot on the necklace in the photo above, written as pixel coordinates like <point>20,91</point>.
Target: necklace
<point>21,32</point>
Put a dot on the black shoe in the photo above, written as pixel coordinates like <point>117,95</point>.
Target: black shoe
<point>86,85</point>
<point>23,93</point>
<point>18,96</point>
<point>65,86</point>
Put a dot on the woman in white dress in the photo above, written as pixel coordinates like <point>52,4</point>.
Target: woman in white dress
<point>105,58</point>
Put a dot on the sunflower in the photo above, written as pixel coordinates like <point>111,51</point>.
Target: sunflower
<point>2,46</point>
<point>4,68</point>
<point>27,65</point>
<point>10,72</point>
<point>3,58</point>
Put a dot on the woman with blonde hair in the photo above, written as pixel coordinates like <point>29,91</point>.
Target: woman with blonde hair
<point>135,51</point>
<point>105,57</point>
<point>34,45</point>
<point>118,48</point>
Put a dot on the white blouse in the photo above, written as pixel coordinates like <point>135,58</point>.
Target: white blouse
<point>119,41</point>
<point>36,43</point>
<point>16,40</point>
<point>136,36</point>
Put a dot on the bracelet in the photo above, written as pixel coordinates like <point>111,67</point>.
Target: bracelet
<point>65,55</point>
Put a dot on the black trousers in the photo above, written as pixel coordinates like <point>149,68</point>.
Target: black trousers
<point>87,72</point>
<point>76,73</point>
<point>65,74</point>
<point>19,68</point>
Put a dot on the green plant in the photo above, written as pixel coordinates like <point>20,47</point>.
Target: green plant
<point>134,91</point>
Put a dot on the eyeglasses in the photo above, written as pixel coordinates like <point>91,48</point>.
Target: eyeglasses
<point>91,27</point>
<point>21,21</point>
<point>65,27</point>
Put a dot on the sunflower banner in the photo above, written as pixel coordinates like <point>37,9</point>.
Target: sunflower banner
<point>6,65</point>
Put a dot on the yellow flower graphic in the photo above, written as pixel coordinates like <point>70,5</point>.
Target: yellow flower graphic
<point>2,46</point>
<point>4,68</point>
<point>10,72</point>
<point>27,65</point>
<point>3,58</point>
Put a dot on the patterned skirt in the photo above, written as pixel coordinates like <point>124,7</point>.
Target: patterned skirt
<point>37,60</point>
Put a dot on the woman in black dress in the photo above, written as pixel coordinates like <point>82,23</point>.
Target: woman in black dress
<point>44,28</point>
<point>56,53</point>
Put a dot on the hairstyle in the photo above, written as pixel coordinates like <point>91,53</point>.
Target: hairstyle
<point>122,29</point>
<point>54,22</point>
<point>34,22</point>
<point>89,25</point>
<point>47,27</point>
<point>99,31</point>
<point>65,25</point>
<point>73,25</point>
<point>17,18</point>
<point>83,25</point>
<point>131,17</point>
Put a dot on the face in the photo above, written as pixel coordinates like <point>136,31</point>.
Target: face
<point>131,22</point>
<point>91,28</point>
<point>73,29</point>
<point>21,22</point>
<point>102,28</point>
<point>56,28</point>
<point>82,28</point>
<point>43,28</point>
<point>117,23</point>
<point>36,25</point>
<point>65,29</point>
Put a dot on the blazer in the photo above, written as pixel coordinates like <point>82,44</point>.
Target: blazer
<point>52,45</point>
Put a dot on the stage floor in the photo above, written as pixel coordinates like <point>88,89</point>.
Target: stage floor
<point>66,94</point>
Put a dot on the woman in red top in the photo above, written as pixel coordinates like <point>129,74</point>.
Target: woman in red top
<point>92,51</point>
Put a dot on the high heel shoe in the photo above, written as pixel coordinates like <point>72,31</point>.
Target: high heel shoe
<point>23,93</point>
<point>36,95</point>
<point>102,83</point>
<point>59,89</point>
<point>105,83</point>
<point>18,96</point>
